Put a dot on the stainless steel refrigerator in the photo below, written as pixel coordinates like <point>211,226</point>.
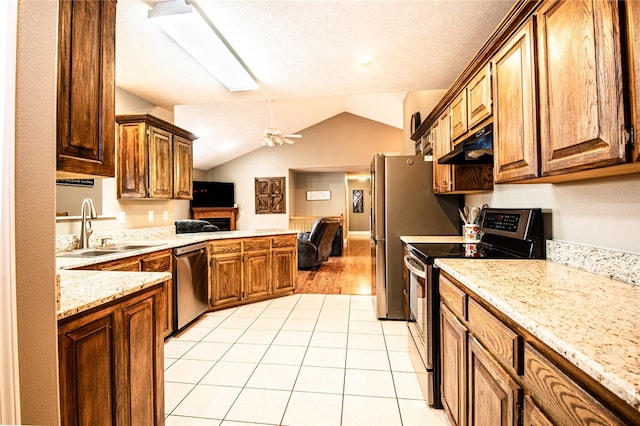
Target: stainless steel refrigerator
<point>403,203</point>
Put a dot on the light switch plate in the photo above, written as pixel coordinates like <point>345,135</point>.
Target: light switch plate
<point>165,215</point>
<point>150,215</point>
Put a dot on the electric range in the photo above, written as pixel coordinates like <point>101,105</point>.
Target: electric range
<point>504,234</point>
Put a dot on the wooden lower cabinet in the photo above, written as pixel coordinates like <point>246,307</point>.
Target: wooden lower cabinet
<point>250,269</point>
<point>453,337</point>
<point>494,372</point>
<point>494,397</point>
<point>564,400</point>
<point>111,363</point>
<point>159,261</point>
<point>284,261</point>
<point>256,271</point>
<point>225,279</point>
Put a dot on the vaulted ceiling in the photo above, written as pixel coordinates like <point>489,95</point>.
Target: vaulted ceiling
<point>304,55</point>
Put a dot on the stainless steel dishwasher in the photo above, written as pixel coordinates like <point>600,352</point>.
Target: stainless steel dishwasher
<point>190,286</point>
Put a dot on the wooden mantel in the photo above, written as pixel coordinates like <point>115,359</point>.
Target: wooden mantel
<point>216,212</point>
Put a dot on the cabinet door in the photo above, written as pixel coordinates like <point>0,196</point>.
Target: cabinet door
<point>161,262</point>
<point>581,102</point>
<point>494,396</point>
<point>141,363</point>
<point>160,163</point>
<point>515,138</point>
<point>441,172</point>
<point>453,338</point>
<point>532,415</point>
<point>633,55</point>
<point>132,160</point>
<point>256,280</point>
<point>479,97</point>
<point>226,279</point>
<point>458,116</point>
<point>285,269</point>
<point>87,365</point>
<point>86,88</point>
<point>182,168</point>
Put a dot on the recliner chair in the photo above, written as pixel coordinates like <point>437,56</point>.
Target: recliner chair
<point>314,247</point>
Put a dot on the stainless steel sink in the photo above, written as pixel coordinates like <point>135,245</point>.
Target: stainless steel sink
<point>132,247</point>
<point>102,251</point>
<point>88,253</point>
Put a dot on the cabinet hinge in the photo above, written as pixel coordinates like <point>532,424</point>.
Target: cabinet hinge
<point>630,137</point>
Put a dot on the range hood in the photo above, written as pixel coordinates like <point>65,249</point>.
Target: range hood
<point>476,149</point>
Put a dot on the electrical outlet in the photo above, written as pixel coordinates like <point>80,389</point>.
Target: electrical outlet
<point>150,215</point>
<point>120,217</point>
<point>165,215</point>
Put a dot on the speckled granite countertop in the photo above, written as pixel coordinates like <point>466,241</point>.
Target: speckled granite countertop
<point>591,320</point>
<point>418,239</point>
<point>78,291</point>
<point>155,244</point>
<point>83,290</point>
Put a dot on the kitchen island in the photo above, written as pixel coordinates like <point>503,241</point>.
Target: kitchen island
<point>585,324</point>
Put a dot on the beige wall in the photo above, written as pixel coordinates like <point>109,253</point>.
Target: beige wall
<point>341,143</point>
<point>422,101</point>
<point>136,212</point>
<point>329,181</point>
<point>35,211</point>
<point>359,221</point>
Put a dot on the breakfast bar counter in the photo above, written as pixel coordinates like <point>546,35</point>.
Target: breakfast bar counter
<point>590,320</point>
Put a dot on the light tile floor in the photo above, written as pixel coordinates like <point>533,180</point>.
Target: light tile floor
<point>297,360</point>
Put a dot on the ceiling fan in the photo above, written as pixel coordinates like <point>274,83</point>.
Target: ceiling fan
<point>273,136</point>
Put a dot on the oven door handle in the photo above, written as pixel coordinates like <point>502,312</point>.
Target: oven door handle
<point>409,263</point>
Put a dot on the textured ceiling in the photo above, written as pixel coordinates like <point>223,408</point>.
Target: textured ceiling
<point>303,54</point>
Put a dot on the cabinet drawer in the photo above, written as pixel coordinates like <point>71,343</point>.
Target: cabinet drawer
<point>454,298</point>
<point>256,244</point>
<point>562,399</point>
<point>157,262</point>
<point>225,246</point>
<point>499,339</point>
<point>284,241</point>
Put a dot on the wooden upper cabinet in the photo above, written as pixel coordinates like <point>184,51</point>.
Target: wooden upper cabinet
<point>160,163</point>
<point>155,158</point>
<point>86,89</point>
<point>442,145</point>
<point>580,72</point>
<point>182,168</point>
<point>633,55</point>
<point>479,97</point>
<point>458,116</point>
<point>515,138</point>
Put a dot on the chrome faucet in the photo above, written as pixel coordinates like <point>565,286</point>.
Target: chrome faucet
<point>85,228</point>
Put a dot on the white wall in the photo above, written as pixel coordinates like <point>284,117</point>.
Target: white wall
<point>600,212</point>
<point>343,143</point>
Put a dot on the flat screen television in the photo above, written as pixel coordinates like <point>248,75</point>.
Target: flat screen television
<point>212,194</point>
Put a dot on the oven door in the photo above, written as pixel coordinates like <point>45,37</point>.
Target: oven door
<point>416,272</point>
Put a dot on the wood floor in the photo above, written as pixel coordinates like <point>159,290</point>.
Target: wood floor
<point>346,274</point>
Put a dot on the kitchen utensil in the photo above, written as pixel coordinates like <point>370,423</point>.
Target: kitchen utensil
<point>463,216</point>
<point>474,214</point>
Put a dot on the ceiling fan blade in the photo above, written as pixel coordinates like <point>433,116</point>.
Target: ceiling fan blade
<point>289,141</point>
<point>296,136</point>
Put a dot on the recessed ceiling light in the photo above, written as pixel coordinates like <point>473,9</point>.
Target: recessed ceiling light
<point>366,59</point>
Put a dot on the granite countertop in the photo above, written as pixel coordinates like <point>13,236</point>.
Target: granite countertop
<point>162,243</point>
<point>82,290</point>
<point>418,239</point>
<point>590,319</point>
<point>77,291</point>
